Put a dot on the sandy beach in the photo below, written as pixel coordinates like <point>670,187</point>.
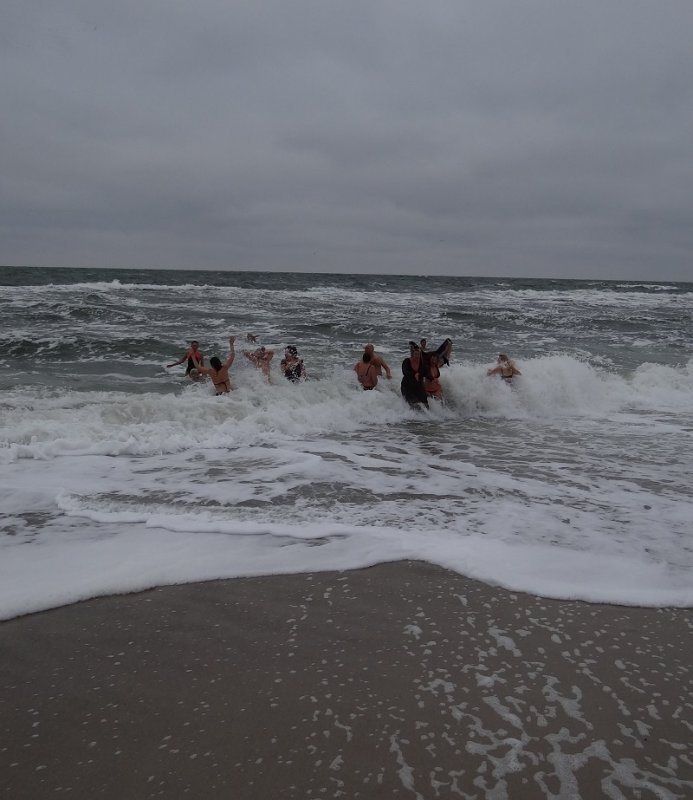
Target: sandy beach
<point>403,680</point>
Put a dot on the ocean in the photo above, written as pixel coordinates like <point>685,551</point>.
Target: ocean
<point>118,474</point>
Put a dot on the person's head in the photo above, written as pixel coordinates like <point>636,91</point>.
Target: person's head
<point>215,363</point>
<point>367,357</point>
<point>423,344</point>
<point>260,351</point>
<point>503,358</point>
<point>291,351</point>
<point>413,347</point>
<point>194,344</point>
<point>369,348</point>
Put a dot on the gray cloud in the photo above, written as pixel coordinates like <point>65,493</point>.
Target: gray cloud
<point>503,138</point>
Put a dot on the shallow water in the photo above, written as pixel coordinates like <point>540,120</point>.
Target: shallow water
<point>118,474</point>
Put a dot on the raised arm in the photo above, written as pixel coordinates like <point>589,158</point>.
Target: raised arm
<point>232,352</point>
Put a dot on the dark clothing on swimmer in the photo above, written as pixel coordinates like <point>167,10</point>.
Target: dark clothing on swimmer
<point>193,356</point>
<point>292,366</point>
<point>295,372</point>
<point>192,365</point>
<point>412,386</point>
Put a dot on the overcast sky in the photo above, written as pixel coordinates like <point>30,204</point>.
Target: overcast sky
<point>510,138</point>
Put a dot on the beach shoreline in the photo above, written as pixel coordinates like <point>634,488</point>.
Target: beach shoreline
<point>400,680</point>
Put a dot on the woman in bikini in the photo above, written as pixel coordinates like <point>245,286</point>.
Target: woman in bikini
<point>505,368</point>
<point>432,378</point>
<point>366,372</point>
<point>218,372</point>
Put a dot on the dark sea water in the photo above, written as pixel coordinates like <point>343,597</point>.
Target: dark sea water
<point>117,473</point>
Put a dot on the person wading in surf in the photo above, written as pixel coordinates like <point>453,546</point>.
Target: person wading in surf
<point>377,361</point>
<point>505,368</point>
<point>412,386</point>
<point>261,358</point>
<point>366,372</point>
<point>432,383</point>
<point>292,366</point>
<point>194,356</point>
<point>218,372</point>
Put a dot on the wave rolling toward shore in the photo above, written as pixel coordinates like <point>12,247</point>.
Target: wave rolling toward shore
<point>574,483</point>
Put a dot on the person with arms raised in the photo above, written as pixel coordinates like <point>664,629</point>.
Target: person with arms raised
<point>218,372</point>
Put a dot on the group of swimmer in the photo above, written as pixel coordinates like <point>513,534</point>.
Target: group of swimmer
<point>420,370</point>
<point>291,365</point>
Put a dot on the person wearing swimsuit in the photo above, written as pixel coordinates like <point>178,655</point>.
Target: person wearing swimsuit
<point>377,361</point>
<point>505,368</point>
<point>219,373</point>
<point>292,366</point>
<point>366,372</point>
<point>412,387</point>
<point>432,378</point>
<point>194,356</point>
<point>261,358</point>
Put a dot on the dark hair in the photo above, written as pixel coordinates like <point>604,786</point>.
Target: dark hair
<point>293,350</point>
<point>367,356</point>
<point>215,363</point>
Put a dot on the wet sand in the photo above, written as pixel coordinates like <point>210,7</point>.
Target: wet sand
<point>400,681</point>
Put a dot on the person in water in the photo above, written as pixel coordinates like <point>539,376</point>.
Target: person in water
<point>261,359</point>
<point>366,372</point>
<point>432,385</point>
<point>218,372</point>
<point>505,367</point>
<point>292,366</point>
<point>194,356</point>
<point>377,361</point>
<point>412,386</point>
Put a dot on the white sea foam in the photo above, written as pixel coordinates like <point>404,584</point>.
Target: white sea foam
<point>115,474</point>
<point>532,488</point>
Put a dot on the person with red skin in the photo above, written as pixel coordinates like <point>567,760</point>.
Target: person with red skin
<point>377,361</point>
